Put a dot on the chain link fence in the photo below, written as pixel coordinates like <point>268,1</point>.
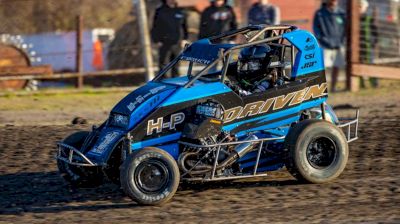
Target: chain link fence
<point>375,41</point>
<point>380,32</point>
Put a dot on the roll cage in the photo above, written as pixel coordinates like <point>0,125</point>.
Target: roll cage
<point>253,35</point>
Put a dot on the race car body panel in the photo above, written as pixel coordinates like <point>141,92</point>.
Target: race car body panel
<point>309,58</point>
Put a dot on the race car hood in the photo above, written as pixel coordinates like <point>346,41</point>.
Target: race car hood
<point>139,103</point>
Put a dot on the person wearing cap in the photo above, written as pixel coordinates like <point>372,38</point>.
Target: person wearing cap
<point>368,40</point>
<point>169,32</point>
<point>216,19</point>
<point>329,27</point>
<point>263,13</point>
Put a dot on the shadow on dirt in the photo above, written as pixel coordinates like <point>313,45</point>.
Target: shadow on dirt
<point>47,192</point>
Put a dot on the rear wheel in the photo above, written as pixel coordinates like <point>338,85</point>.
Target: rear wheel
<point>150,176</point>
<point>79,175</point>
<point>318,151</point>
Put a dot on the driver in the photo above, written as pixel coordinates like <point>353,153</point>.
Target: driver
<point>253,74</point>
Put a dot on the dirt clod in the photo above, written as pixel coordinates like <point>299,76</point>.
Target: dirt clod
<point>79,120</point>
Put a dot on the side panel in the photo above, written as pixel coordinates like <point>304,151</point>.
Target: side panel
<point>171,115</point>
<point>309,58</point>
<point>276,107</point>
<point>241,114</point>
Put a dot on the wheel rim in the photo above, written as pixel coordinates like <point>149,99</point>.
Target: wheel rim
<point>321,152</point>
<point>152,176</point>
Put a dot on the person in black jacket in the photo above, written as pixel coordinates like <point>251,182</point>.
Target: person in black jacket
<point>169,32</point>
<point>216,19</point>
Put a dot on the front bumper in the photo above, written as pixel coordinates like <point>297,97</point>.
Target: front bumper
<point>350,127</point>
<point>73,156</point>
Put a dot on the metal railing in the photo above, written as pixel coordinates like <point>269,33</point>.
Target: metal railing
<point>347,127</point>
<point>71,153</point>
<point>218,146</point>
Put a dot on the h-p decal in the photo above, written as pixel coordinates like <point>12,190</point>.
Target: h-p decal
<point>158,125</point>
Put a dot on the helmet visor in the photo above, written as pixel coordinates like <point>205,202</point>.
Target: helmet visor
<point>251,65</point>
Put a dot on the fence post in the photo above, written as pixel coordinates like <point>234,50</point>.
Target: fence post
<point>79,59</point>
<point>353,44</point>
<point>141,13</point>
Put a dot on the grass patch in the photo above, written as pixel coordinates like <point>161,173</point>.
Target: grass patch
<point>105,99</point>
<point>58,101</point>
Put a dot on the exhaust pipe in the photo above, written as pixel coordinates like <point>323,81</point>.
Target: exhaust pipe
<point>239,151</point>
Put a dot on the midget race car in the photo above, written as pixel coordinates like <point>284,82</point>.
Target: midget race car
<point>241,110</point>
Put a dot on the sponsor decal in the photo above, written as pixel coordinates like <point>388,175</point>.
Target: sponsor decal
<point>196,60</point>
<point>139,99</point>
<point>309,56</point>
<point>158,124</point>
<point>309,47</point>
<point>309,64</point>
<point>275,103</point>
<point>105,141</point>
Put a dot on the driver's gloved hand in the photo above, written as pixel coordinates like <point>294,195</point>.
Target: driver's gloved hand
<point>262,87</point>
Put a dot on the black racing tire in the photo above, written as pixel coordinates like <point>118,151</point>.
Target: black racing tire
<point>317,151</point>
<point>112,171</point>
<point>79,176</point>
<point>150,176</point>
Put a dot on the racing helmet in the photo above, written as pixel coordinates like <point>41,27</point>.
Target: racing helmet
<point>252,59</point>
<point>252,64</point>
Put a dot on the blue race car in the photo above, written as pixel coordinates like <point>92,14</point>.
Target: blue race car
<point>240,111</point>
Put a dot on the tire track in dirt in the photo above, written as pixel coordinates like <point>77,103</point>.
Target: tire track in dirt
<point>368,190</point>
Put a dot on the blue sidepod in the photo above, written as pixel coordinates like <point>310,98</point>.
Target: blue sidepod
<point>142,102</point>
<point>136,105</point>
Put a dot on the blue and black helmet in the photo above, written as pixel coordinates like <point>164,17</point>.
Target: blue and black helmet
<point>252,58</point>
<point>254,52</point>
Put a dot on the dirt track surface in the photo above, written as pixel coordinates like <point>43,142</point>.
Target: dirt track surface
<point>31,191</point>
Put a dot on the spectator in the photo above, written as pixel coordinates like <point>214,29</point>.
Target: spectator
<point>264,13</point>
<point>329,28</point>
<point>216,19</point>
<point>368,40</point>
<point>169,32</point>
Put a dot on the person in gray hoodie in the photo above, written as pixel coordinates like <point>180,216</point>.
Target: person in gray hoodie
<point>330,29</point>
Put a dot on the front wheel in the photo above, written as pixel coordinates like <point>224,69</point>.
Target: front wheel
<point>317,151</point>
<point>150,176</point>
